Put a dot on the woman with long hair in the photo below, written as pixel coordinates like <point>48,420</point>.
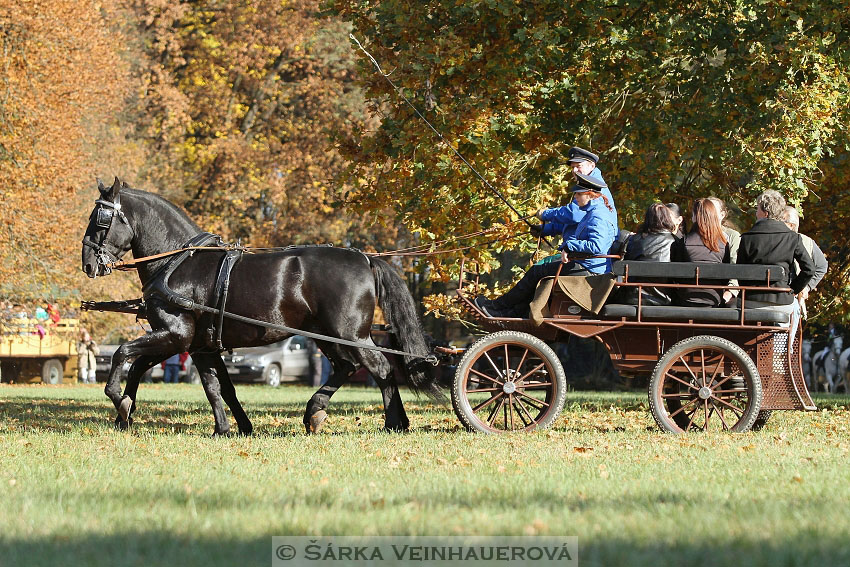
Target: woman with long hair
<point>705,242</point>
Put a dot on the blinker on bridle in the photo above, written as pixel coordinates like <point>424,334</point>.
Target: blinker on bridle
<point>104,217</point>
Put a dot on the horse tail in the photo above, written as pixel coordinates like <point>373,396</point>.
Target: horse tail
<point>399,310</point>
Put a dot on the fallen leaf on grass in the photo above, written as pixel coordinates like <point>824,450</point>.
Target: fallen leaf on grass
<point>582,449</point>
<point>797,478</point>
<point>746,448</point>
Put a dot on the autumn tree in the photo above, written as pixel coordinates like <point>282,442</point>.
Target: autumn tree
<point>63,83</point>
<point>680,99</point>
<point>238,99</point>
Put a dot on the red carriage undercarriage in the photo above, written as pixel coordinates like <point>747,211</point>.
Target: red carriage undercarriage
<point>711,368</point>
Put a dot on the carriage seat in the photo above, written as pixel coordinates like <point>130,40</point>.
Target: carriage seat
<point>708,272</point>
<point>702,314</point>
<point>664,271</point>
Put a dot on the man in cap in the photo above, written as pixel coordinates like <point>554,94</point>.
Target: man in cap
<point>593,235</point>
<point>561,219</point>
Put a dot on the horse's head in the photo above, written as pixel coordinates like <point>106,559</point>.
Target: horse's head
<point>807,349</point>
<point>109,234</point>
<point>837,344</point>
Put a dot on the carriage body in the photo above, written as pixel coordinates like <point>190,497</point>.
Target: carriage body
<point>730,364</point>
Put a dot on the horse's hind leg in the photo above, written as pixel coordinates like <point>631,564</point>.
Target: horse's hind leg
<point>395,418</point>
<point>315,413</point>
<point>228,392</point>
<point>212,388</point>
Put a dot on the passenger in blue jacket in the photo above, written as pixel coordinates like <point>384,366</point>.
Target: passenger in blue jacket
<point>593,235</point>
<point>564,219</point>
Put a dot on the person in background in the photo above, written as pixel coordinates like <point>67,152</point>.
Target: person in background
<point>171,365</point>
<point>769,241</point>
<point>678,220</point>
<point>316,364</point>
<point>734,239</point>
<point>704,243</point>
<point>87,351</point>
<point>791,218</point>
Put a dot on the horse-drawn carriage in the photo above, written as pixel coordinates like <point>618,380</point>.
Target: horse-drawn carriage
<point>724,368</point>
<point>711,367</point>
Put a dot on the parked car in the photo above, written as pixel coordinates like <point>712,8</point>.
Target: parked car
<point>284,361</point>
<point>188,374</point>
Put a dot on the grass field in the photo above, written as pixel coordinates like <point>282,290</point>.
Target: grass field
<point>75,492</point>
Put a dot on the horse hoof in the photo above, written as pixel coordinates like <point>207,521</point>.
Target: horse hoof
<point>316,421</point>
<point>227,433</point>
<point>124,408</point>
<point>122,425</point>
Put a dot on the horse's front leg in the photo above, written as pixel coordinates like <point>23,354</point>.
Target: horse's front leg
<point>217,385</point>
<point>157,344</point>
<point>128,400</point>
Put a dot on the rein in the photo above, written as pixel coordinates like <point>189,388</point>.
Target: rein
<point>412,251</point>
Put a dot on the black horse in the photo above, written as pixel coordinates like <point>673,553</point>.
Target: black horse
<point>318,289</point>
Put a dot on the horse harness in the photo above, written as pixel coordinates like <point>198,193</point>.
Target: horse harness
<point>105,215</point>
<point>158,287</point>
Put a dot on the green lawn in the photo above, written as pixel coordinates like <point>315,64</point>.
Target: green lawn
<point>75,492</point>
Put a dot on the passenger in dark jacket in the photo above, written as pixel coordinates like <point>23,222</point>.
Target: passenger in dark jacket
<point>704,243</point>
<point>650,244</point>
<point>771,242</point>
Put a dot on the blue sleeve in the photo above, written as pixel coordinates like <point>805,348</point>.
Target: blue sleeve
<point>552,228</point>
<point>600,236</point>
<point>568,214</point>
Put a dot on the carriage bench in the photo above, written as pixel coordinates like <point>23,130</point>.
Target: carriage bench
<point>709,368</point>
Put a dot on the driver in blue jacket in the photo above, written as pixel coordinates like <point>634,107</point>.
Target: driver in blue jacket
<point>593,235</point>
<point>564,219</point>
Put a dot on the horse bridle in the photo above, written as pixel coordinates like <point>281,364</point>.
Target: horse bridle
<point>104,217</point>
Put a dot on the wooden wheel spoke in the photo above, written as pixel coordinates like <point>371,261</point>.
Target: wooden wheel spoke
<point>739,412</point>
<point>507,363</point>
<point>522,409</point>
<point>702,364</point>
<point>511,409</point>
<point>676,395</point>
<point>519,366</point>
<point>682,358</point>
<point>722,419</point>
<point>490,378</point>
<point>693,417</point>
<point>677,379</point>
<point>530,372</point>
<point>486,402</point>
<point>717,369</point>
<point>536,385</point>
<point>495,411</point>
<point>684,406</point>
<point>535,400</point>
<point>493,364</point>
<point>708,414</point>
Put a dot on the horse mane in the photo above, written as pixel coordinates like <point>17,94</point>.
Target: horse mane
<point>152,198</point>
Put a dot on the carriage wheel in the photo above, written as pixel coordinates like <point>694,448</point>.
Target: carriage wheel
<point>508,381</point>
<point>705,383</point>
<point>762,419</point>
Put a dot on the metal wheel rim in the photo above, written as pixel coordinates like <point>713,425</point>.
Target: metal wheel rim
<point>521,409</point>
<point>705,394</point>
<point>274,375</point>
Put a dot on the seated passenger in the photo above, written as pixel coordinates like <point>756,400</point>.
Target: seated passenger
<point>704,243</point>
<point>733,237</point>
<point>679,221</point>
<point>650,244</point>
<point>771,242</point>
<point>593,236</point>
